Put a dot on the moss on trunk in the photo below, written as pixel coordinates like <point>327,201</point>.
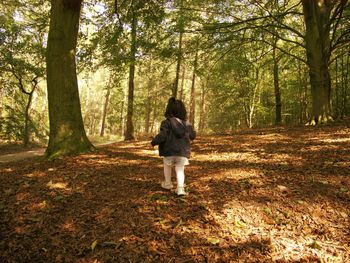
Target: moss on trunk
<point>67,133</point>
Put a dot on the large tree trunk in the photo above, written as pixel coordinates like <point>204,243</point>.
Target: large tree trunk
<point>67,134</point>
<point>278,103</point>
<point>104,114</point>
<point>317,37</point>
<point>129,133</point>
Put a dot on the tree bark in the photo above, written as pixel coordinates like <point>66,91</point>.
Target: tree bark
<point>302,94</point>
<point>193,87</point>
<point>201,123</point>
<point>179,53</point>
<point>252,102</point>
<point>26,135</point>
<point>278,103</point>
<point>148,105</point>
<point>181,97</point>
<point>345,89</point>
<point>129,133</point>
<point>67,134</point>
<point>122,119</point>
<point>178,67</point>
<point>104,114</point>
<point>317,37</point>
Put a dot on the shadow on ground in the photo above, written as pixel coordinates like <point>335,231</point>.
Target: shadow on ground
<point>259,197</point>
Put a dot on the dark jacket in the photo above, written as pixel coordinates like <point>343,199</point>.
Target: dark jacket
<point>174,138</point>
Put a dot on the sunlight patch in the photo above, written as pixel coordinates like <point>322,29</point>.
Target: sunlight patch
<point>38,206</point>
<point>288,249</point>
<point>22,196</point>
<point>59,185</point>
<point>8,170</point>
<point>336,140</point>
<point>241,173</point>
<point>31,175</point>
<point>226,156</point>
<point>148,152</point>
<point>69,226</point>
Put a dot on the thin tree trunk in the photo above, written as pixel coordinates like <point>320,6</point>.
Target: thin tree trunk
<point>193,87</point>
<point>26,135</point>
<point>343,86</point>
<point>179,54</point>
<point>1,103</point>
<point>201,123</point>
<point>278,103</point>
<point>178,66</point>
<point>181,97</point>
<point>104,115</point>
<point>252,103</point>
<point>67,134</point>
<point>26,129</point>
<point>121,125</point>
<point>129,133</point>
<point>148,106</point>
<point>346,87</point>
<point>337,109</point>
<point>302,94</point>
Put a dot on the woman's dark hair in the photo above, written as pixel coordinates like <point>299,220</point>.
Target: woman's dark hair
<point>175,108</point>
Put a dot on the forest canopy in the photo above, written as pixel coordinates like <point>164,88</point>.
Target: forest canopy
<point>236,64</point>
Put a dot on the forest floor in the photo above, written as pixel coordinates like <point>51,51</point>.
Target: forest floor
<point>268,195</point>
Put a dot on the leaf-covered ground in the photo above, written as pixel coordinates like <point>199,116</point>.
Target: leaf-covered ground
<point>278,195</point>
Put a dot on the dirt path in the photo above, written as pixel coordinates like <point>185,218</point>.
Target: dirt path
<point>17,156</point>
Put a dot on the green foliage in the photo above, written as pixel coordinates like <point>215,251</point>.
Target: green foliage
<point>11,126</point>
<point>235,63</point>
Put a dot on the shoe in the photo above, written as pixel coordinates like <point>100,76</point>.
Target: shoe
<point>181,191</point>
<point>166,185</point>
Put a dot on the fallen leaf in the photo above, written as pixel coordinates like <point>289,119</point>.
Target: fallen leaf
<point>213,240</point>
<point>93,245</point>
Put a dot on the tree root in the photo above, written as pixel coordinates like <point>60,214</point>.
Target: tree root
<point>320,119</point>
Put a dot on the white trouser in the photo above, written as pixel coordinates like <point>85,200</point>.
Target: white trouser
<point>180,174</point>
